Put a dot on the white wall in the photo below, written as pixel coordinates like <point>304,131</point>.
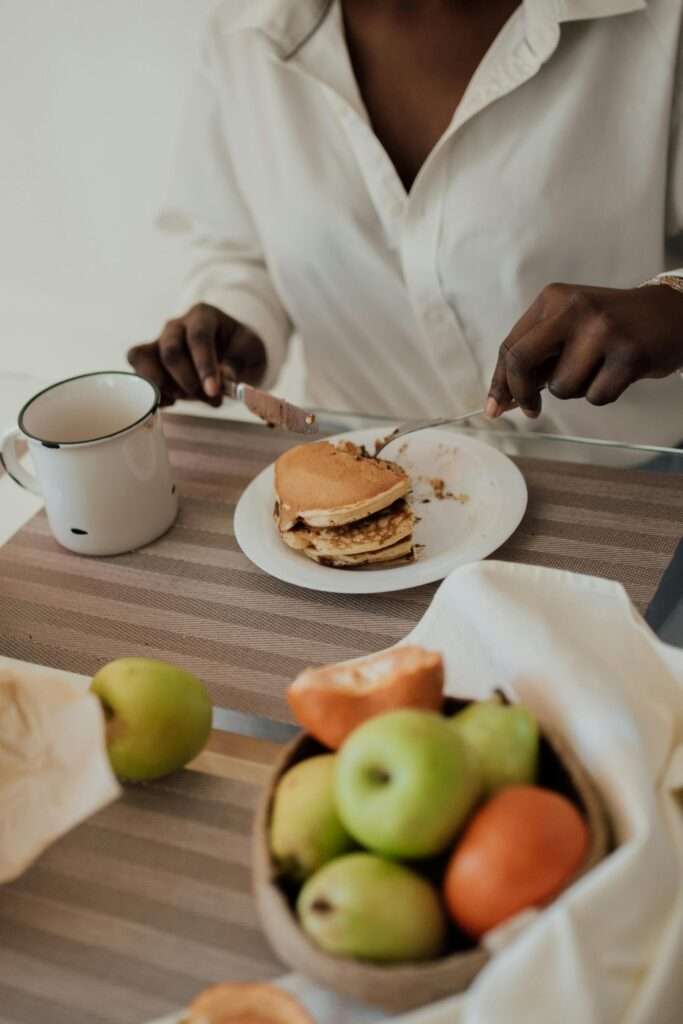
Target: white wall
<point>91,97</point>
<point>91,94</point>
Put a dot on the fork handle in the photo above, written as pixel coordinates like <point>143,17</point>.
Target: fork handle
<point>425,425</point>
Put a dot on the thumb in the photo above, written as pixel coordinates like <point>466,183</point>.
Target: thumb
<point>243,355</point>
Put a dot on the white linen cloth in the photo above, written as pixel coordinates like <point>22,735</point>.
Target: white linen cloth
<point>610,949</point>
<point>54,769</point>
<point>563,161</point>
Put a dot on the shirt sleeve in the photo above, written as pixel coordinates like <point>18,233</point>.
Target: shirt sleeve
<point>205,206</point>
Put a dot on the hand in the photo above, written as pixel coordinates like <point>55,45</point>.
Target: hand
<point>588,342</point>
<point>185,362</point>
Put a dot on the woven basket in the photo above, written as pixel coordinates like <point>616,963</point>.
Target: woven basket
<point>399,987</point>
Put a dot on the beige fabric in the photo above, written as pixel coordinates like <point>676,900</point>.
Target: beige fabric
<point>193,597</point>
<point>54,769</point>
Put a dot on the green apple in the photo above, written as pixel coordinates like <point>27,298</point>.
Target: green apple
<point>365,906</point>
<point>505,738</point>
<point>305,830</point>
<point>405,783</point>
<point>158,716</point>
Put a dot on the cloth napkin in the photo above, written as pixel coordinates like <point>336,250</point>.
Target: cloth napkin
<point>54,770</point>
<point>572,649</point>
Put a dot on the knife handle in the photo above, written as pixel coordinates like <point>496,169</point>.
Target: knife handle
<point>231,387</point>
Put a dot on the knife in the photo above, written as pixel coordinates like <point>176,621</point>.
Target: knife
<point>276,412</point>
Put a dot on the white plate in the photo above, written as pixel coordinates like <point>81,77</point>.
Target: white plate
<point>453,532</point>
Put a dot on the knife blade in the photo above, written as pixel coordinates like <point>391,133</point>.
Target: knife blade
<point>272,410</point>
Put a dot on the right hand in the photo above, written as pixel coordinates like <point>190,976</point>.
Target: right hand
<point>186,360</point>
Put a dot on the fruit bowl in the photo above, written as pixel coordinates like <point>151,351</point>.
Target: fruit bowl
<point>402,986</point>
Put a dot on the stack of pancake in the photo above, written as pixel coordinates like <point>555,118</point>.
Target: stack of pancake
<point>343,508</point>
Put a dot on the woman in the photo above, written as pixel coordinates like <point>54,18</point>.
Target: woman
<point>399,182</point>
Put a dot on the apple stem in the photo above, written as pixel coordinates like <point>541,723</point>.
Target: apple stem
<point>501,698</point>
<point>106,708</point>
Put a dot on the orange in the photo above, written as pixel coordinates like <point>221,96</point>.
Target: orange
<point>518,851</point>
<point>233,1003</point>
<point>330,702</point>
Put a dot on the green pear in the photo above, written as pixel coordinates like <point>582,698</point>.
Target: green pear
<point>305,830</point>
<point>158,717</point>
<point>505,739</point>
<point>403,786</point>
<point>365,906</point>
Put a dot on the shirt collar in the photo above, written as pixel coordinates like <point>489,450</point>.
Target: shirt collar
<point>289,24</point>
<point>576,10</point>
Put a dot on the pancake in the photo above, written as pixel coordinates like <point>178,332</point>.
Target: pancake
<point>404,551</point>
<point>341,507</point>
<point>373,533</point>
<point>325,485</point>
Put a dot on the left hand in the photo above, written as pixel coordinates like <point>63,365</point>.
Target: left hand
<point>588,342</point>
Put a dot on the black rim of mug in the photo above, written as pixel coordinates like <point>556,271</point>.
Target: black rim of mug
<point>91,440</point>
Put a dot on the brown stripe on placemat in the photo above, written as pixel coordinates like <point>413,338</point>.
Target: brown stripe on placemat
<point>131,913</point>
<point>193,597</point>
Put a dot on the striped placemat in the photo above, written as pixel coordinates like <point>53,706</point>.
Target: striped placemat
<point>193,598</point>
<point>135,911</point>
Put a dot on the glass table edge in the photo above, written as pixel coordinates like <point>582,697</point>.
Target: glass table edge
<point>324,415</point>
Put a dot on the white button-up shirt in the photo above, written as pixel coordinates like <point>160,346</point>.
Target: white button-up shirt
<point>563,162</point>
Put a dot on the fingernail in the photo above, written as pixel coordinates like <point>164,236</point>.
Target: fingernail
<point>491,409</point>
<point>531,414</point>
<point>212,387</point>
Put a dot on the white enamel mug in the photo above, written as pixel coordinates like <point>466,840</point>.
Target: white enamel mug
<point>100,461</point>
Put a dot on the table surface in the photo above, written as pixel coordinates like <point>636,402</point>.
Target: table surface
<point>66,921</point>
<point>595,507</point>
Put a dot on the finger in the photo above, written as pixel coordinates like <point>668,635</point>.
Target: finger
<point>499,396</point>
<point>244,353</point>
<point>146,362</point>
<point>176,359</point>
<point>578,363</point>
<point>618,372</point>
<point>531,361</point>
<point>201,331</point>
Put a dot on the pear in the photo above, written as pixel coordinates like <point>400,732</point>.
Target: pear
<point>158,716</point>
<point>305,830</point>
<point>504,738</point>
<point>366,906</point>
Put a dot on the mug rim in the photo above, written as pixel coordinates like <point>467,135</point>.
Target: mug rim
<point>91,440</point>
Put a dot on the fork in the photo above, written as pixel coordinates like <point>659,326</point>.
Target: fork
<point>445,421</point>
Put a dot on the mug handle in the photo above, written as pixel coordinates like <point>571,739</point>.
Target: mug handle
<point>10,460</point>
